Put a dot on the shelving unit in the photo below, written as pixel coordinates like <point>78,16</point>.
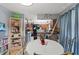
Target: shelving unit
<point>3,39</point>
<point>15,36</point>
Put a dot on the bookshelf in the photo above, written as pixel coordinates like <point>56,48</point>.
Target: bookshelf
<point>15,36</point>
<point>3,39</point>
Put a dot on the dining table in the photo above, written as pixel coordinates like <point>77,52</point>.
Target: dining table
<point>50,48</point>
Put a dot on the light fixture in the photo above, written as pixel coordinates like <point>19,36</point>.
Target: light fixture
<point>27,4</point>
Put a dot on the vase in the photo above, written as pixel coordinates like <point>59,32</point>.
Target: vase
<point>43,42</point>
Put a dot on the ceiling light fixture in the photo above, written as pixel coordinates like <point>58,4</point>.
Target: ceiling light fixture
<point>27,4</point>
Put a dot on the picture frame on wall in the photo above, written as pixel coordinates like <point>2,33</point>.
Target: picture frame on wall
<point>2,26</point>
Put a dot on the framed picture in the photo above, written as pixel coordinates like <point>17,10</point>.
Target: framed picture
<point>2,26</point>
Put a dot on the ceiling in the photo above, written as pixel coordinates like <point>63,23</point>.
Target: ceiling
<point>37,8</point>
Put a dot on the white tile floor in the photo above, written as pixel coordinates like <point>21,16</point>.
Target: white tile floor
<point>26,53</point>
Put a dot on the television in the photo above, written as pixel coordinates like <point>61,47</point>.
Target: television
<point>2,27</point>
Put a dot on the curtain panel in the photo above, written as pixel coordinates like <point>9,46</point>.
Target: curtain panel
<point>69,30</point>
<point>76,42</point>
<point>65,30</point>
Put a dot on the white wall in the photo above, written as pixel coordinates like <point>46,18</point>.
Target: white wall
<point>47,16</point>
<point>66,10</point>
<point>4,14</point>
<point>45,21</point>
<point>31,18</point>
<point>4,17</point>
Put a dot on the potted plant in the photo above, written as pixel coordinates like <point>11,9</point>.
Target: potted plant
<point>42,39</point>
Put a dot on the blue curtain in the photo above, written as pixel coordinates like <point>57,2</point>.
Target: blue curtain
<point>69,30</point>
<point>65,31</point>
<point>76,44</point>
<point>72,29</point>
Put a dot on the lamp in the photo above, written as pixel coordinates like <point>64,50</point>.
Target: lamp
<point>27,4</point>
